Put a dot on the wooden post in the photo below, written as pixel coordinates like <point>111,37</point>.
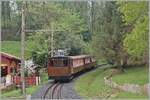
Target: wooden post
<point>52,40</point>
<point>22,49</point>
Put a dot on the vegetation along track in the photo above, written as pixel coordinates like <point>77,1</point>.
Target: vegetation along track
<point>53,91</point>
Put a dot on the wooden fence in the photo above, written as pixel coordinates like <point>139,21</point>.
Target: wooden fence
<point>30,80</point>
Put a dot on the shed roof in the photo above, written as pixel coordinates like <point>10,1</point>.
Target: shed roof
<point>10,56</point>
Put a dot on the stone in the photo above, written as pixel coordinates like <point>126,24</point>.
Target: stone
<point>133,88</point>
<point>145,89</point>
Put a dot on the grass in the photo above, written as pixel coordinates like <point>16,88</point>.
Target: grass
<point>134,75</point>
<point>44,77</point>
<point>92,84</point>
<point>14,48</point>
<point>127,95</point>
<point>17,93</point>
<point>11,47</point>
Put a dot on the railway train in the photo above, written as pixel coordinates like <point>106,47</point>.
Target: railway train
<point>64,68</point>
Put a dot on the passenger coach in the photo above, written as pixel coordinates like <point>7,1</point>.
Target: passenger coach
<point>62,68</point>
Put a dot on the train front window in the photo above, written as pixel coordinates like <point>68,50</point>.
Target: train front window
<point>59,62</point>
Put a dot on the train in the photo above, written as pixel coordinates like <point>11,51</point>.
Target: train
<point>65,67</point>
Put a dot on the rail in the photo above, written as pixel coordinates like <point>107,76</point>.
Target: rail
<point>53,91</point>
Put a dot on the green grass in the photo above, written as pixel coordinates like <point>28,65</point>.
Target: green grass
<point>134,75</point>
<point>127,95</point>
<point>44,77</point>
<point>14,48</point>
<point>11,47</point>
<point>17,92</point>
<point>92,84</point>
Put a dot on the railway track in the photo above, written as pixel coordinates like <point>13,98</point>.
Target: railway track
<point>53,91</point>
<point>56,90</point>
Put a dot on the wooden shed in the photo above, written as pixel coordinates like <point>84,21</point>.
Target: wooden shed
<point>10,71</point>
<point>9,64</point>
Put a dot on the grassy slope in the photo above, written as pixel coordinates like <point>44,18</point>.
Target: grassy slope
<point>17,93</point>
<point>135,75</point>
<point>92,85</point>
<point>14,48</point>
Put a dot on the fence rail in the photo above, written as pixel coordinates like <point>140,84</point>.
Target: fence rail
<point>31,80</point>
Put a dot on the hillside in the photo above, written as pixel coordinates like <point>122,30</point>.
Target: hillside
<point>14,48</point>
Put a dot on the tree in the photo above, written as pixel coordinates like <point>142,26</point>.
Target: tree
<point>136,40</point>
<point>108,33</point>
<point>68,34</point>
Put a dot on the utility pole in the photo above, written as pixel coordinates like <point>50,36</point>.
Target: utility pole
<point>52,40</point>
<point>90,14</point>
<point>22,49</point>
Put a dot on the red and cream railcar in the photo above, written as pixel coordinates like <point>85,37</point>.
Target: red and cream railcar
<point>60,68</point>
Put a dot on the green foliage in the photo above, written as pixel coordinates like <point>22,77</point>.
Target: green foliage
<point>136,42</point>
<point>67,31</point>
<point>11,20</point>
<point>107,42</point>
<point>39,50</point>
<point>136,15</point>
<point>104,37</point>
<point>133,11</point>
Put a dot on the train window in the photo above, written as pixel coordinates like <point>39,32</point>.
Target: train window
<point>65,62</point>
<point>90,59</point>
<point>78,62</point>
<point>60,63</point>
<point>51,62</point>
<point>93,59</point>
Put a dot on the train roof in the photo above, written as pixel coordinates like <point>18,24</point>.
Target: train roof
<point>72,57</point>
<point>78,56</point>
